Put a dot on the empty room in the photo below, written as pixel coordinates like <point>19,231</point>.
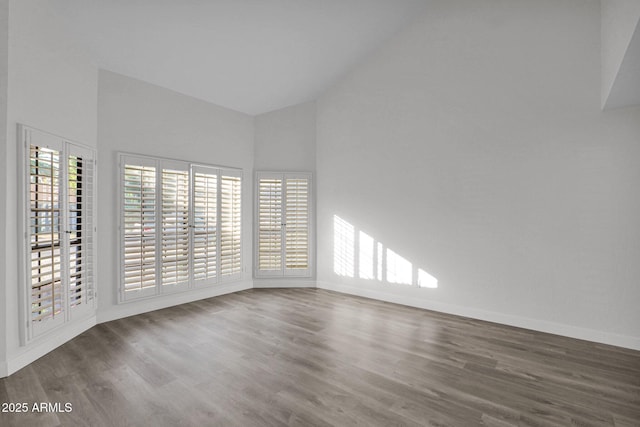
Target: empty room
<point>320,213</point>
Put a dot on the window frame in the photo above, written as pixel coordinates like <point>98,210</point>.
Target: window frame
<point>70,313</point>
<point>192,168</point>
<point>283,272</point>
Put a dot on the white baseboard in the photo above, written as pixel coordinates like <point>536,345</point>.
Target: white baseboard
<point>132,308</point>
<point>283,283</point>
<point>592,335</point>
<point>39,348</point>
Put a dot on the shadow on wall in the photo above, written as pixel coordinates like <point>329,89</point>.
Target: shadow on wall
<point>355,251</point>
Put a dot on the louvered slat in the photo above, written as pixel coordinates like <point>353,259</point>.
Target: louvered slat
<point>270,224</point>
<point>139,205</point>
<point>47,298</point>
<point>230,225</point>
<point>297,224</point>
<point>205,225</point>
<point>283,224</point>
<point>80,229</point>
<point>191,228</point>
<point>175,226</point>
<point>59,182</point>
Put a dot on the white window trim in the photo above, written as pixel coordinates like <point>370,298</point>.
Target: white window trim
<point>283,273</point>
<point>159,163</point>
<point>28,331</point>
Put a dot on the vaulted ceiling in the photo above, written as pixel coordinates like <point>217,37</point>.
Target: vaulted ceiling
<point>256,56</point>
<point>252,56</point>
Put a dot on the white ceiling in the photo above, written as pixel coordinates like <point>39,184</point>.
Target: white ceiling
<point>252,56</point>
<point>625,91</point>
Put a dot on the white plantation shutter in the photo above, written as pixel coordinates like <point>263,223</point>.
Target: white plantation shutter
<point>139,226</point>
<point>181,225</point>
<point>80,201</point>
<point>175,225</point>
<point>205,224</point>
<point>296,226</point>
<point>230,224</point>
<point>269,256</point>
<point>283,239</point>
<point>58,230</point>
<point>47,298</point>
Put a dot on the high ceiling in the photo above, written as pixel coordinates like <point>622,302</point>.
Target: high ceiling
<point>252,56</point>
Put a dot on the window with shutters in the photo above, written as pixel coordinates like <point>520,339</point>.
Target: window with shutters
<point>283,224</point>
<point>205,225</point>
<point>230,225</point>
<point>175,227</point>
<point>181,225</point>
<point>59,231</point>
<point>139,227</point>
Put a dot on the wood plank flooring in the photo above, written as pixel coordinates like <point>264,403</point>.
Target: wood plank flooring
<point>310,357</point>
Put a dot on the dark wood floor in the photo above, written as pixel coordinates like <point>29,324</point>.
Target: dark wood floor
<point>316,358</point>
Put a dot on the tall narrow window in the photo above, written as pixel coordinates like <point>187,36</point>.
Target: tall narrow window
<point>46,276</point>
<point>296,225</point>
<point>231,225</point>
<point>139,227</point>
<point>283,224</point>
<point>181,225</point>
<point>205,225</point>
<point>270,225</point>
<point>80,166</point>
<point>59,231</point>
<point>175,227</point>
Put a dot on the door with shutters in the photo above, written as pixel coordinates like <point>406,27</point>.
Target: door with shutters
<point>59,231</point>
<point>80,230</point>
<point>283,224</point>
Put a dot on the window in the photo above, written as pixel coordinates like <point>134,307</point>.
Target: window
<point>230,227</point>
<point>181,225</point>
<point>59,232</point>
<point>205,225</point>
<point>174,219</point>
<point>283,235</point>
<point>139,227</point>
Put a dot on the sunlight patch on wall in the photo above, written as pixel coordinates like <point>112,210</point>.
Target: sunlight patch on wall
<point>343,247</point>
<point>425,280</point>
<point>399,270</point>
<point>373,260</point>
<point>366,256</point>
<point>380,252</point>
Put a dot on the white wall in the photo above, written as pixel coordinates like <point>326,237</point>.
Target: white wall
<point>137,117</point>
<point>285,140</point>
<point>51,86</point>
<point>473,145</point>
<point>4,52</point>
<point>619,19</point>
